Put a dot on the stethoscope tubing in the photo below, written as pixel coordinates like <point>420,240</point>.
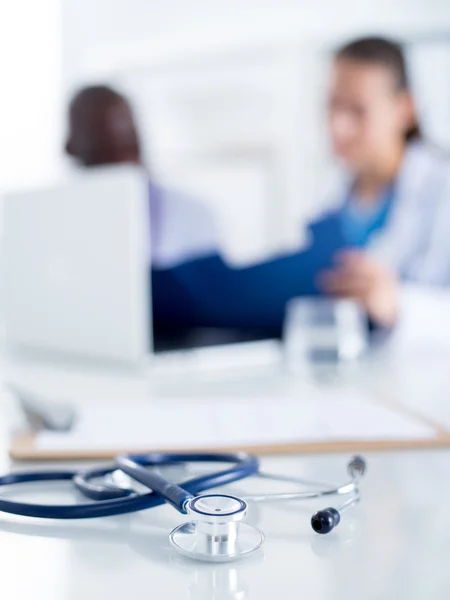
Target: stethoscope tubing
<point>245,466</point>
<point>110,500</point>
<point>174,494</point>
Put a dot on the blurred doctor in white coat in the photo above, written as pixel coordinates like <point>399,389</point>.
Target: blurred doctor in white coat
<point>393,203</point>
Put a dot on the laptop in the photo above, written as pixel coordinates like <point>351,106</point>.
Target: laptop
<point>76,259</point>
<point>77,286</point>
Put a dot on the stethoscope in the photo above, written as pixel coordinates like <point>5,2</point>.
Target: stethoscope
<point>217,532</point>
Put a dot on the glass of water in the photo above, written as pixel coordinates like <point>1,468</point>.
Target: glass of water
<point>324,331</point>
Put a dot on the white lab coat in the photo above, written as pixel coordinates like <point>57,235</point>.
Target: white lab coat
<point>415,245</point>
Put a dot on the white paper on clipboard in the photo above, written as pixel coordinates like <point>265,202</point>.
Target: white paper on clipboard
<point>234,422</point>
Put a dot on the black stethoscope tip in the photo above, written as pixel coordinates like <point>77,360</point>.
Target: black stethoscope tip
<point>324,521</point>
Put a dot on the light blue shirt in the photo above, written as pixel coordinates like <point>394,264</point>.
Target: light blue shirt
<point>181,229</point>
<point>360,221</point>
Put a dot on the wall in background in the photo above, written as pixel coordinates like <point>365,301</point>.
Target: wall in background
<point>31,100</point>
<point>165,27</point>
<point>430,62</point>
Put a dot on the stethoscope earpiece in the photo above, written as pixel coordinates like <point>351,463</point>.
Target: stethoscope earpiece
<point>324,521</point>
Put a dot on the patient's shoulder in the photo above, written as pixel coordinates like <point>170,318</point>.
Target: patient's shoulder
<point>182,226</point>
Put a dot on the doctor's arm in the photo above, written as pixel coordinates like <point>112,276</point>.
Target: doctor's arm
<point>359,276</point>
<point>414,314</point>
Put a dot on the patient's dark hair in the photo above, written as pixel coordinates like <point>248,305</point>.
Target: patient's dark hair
<point>380,51</point>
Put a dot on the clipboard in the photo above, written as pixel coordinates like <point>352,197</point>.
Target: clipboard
<point>25,444</point>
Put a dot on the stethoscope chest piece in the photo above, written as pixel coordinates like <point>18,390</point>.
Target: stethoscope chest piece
<point>217,533</point>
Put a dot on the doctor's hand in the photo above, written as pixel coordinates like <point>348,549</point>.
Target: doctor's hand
<point>360,277</point>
